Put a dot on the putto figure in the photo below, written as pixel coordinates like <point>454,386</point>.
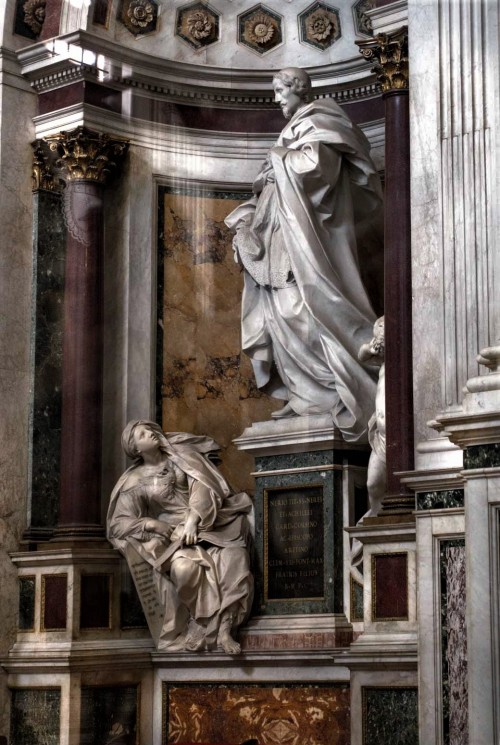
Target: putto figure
<point>305,310</point>
<point>186,538</point>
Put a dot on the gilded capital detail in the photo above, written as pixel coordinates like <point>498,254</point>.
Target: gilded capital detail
<point>389,52</point>
<point>41,172</point>
<point>86,155</point>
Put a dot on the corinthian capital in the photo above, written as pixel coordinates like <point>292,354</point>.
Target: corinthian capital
<point>41,172</point>
<point>389,52</point>
<point>86,155</point>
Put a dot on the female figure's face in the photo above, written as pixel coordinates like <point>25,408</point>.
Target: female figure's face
<point>145,439</point>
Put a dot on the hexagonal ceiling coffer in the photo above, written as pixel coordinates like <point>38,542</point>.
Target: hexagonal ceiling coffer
<point>362,23</point>
<point>319,25</point>
<point>139,16</point>
<point>197,24</point>
<point>260,29</point>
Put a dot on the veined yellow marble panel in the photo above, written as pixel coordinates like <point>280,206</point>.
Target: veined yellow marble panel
<point>208,385</point>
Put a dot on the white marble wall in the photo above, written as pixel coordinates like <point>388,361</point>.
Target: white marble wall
<point>226,52</point>
<point>455,211</point>
<point>17,107</point>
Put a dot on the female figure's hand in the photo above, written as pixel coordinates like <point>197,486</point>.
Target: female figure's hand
<point>190,532</point>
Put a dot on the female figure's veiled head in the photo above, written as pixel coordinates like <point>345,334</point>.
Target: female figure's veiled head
<point>135,431</point>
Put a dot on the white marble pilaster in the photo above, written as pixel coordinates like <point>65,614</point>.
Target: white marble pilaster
<point>455,208</point>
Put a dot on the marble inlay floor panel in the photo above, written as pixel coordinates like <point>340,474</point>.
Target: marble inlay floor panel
<point>273,715</point>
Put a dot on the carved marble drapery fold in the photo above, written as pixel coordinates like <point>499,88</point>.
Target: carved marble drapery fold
<point>86,158</point>
<point>390,55</point>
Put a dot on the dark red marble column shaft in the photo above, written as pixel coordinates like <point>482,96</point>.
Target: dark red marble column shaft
<point>398,301</point>
<point>80,506</point>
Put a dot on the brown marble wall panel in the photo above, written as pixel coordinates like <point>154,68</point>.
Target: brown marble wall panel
<point>95,601</point>
<point>52,21</point>
<point>54,601</point>
<point>61,97</point>
<point>102,9</point>
<point>194,117</point>
<point>390,586</point>
<point>207,384</point>
<point>206,117</point>
<point>368,110</point>
<point>271,714</point>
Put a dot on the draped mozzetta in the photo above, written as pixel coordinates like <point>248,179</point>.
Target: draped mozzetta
<point>304,306</point>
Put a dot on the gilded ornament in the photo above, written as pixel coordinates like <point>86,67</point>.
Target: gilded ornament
<point>389,52</point>
<point>199,24</point>
<point>34,14</point>
<point>259,29</point>
<point>319,25</point>
<point>41,173</point>
<point>140,13</point>
<point>86,155</point>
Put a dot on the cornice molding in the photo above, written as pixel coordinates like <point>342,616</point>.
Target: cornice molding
<point>83,56</point>
<point>10,70</point>
<point>183,140</point>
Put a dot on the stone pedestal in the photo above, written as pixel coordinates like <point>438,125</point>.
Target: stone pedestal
<point>307,480</point>
<point>383,658</point>
<point>476,429</point>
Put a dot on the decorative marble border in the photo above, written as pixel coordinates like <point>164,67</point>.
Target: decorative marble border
<point>391,554</point>
<point>331,481</point>
<point>439,499</point>
<point>42,603</point>
<point>444,545</point>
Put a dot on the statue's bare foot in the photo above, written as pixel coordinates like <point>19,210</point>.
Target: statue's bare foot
<point>228,644</point>
<point>286,411</point>
<point>195,637</point>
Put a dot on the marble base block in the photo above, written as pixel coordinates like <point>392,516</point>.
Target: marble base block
<point>303,470</point>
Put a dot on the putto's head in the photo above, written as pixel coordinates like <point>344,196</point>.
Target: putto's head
<point>378,341</point>
<point>292,86</point>
<point>141,436</point>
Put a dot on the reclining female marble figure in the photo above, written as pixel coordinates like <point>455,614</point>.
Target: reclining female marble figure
<point>185,535</point>
<point>305,310</point>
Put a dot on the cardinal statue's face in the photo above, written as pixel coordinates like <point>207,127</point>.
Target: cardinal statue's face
<point>287,98</point>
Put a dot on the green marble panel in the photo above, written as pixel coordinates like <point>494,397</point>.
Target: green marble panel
<point>26,603</point>
<point>482,456</point>
<point>109,715</point>
<point>390,715</point>
<point>439,500</point>
<point>35,716</point>
<point>49,238</point>
<point>330,484</point>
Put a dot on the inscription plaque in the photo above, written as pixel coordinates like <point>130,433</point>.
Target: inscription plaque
<point>294,543</point>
